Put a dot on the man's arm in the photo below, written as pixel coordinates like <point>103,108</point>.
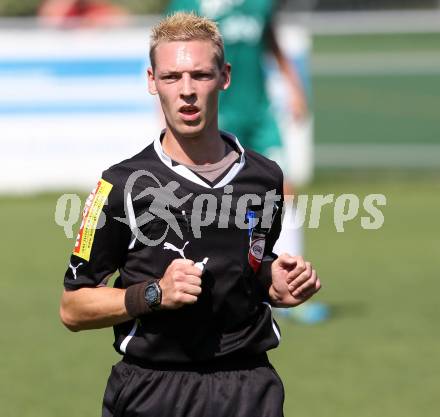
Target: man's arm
<point>94,308</point>
<point>298,99</point>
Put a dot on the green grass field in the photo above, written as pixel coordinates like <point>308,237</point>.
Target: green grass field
<point>385,89</point>
<point>382,110</point>
<point>376,357</point>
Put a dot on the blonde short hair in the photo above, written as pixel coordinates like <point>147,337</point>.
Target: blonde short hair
<point>182,26</point>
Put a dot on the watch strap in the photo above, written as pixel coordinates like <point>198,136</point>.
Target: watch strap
<point>135,302</point>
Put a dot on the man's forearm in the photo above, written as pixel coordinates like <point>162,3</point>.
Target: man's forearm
<point>93,308</point>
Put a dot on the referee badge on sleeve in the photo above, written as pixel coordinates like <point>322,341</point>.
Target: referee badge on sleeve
<point>260,221</point>
<point>257,237</point>
<point>92,210</point>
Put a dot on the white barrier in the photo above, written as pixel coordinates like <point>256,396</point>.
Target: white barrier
<point>72,103</point>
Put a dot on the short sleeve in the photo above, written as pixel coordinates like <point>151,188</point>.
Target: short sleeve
<point>102,241</point>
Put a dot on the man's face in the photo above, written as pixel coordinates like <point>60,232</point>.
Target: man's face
<point>187,79</point>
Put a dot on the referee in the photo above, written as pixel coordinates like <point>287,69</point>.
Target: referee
<point>188,224</point>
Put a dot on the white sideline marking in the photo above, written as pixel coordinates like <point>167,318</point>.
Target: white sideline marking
<point>376,63</point>
<point>380,156</point>
<point>366,22</point>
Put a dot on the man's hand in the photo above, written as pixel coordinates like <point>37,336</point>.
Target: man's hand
<point>181,284</point>
<point>293,281</point>
<point>298,103</point>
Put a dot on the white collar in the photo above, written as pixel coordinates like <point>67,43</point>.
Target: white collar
<point>190,175</point>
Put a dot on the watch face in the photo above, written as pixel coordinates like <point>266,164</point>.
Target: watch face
<point>152,295</point>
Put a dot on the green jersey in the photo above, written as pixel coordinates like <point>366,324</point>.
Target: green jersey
<point>243,24</point>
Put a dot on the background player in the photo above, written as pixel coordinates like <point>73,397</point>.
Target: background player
<point>81,13</point>
<point>248,32</point>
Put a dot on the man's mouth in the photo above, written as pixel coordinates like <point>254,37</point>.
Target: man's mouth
<point>189,109</point>
<point>189,112</point>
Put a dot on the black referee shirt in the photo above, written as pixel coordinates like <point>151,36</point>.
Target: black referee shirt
<point>147,211</point>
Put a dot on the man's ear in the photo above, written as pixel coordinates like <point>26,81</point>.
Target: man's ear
<point>226,76</point>
<point>151,81</point>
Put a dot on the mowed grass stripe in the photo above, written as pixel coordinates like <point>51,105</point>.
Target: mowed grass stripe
<point>376,63</point>
<point>376,42</point>
<point>377,109</point>
<point>376,89</point>
<point>389,156</point>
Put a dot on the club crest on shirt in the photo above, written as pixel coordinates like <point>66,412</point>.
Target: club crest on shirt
<point>256,250</point>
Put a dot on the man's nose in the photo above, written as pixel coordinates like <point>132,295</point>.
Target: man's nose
<point>187,86</point>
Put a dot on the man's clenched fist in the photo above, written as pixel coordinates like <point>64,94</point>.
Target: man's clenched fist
<point>181,284</point>
<point>293,281</point>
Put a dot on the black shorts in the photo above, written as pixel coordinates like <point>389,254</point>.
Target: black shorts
<point>248,387</point>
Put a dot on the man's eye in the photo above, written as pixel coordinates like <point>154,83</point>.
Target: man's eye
<point>170,77</point>
<point>202,76</point>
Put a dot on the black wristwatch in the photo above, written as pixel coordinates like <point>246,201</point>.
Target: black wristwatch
<point>153,295</point>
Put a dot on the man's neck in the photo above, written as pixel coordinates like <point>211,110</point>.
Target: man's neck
<point>199,150</point>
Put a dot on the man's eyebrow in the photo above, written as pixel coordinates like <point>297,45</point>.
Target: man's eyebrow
<point>175,72</point>
<point>207,68</point>
<point>169,72</point>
